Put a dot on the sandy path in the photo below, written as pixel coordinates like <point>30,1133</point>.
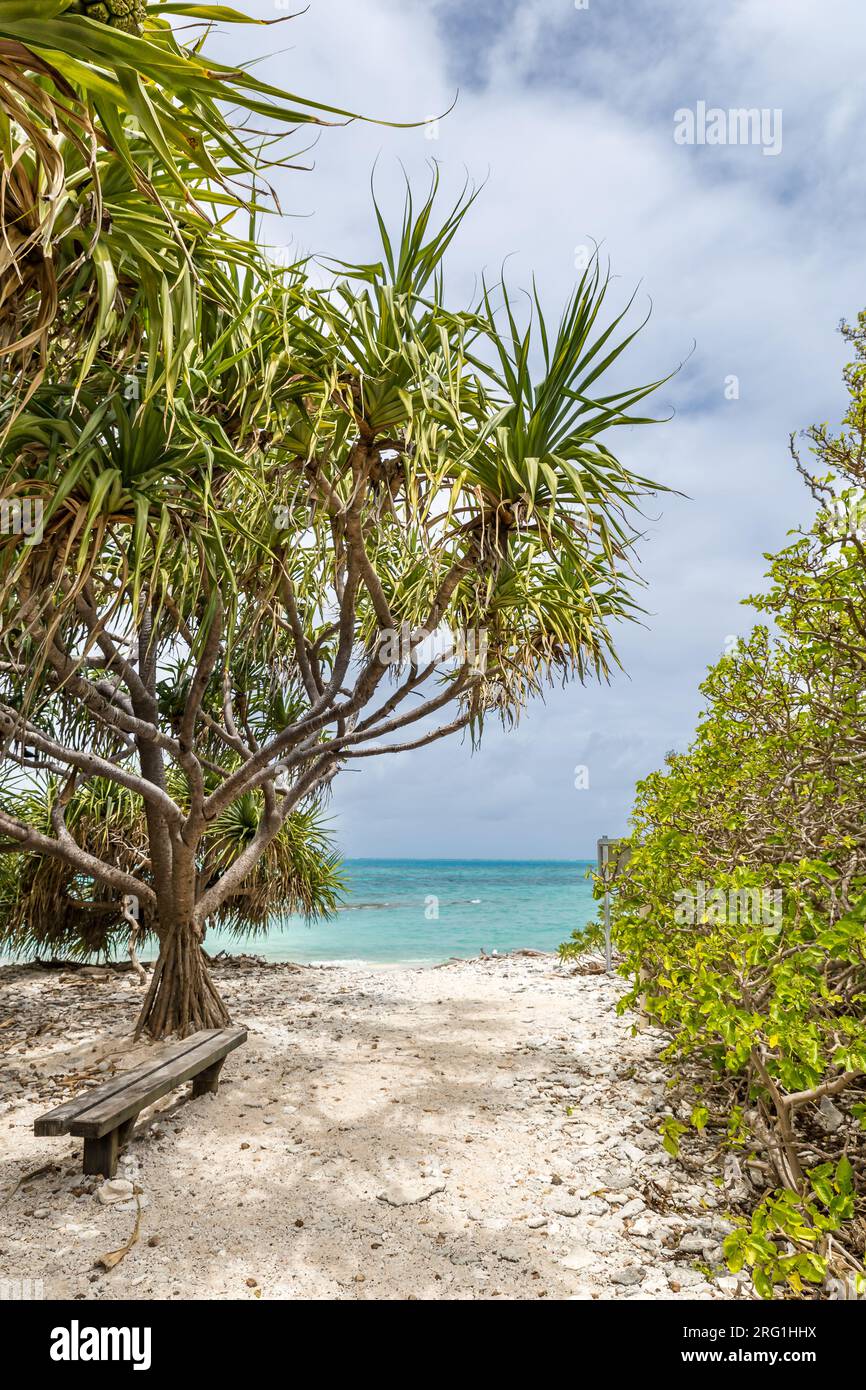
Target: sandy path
<point>487,1129</point>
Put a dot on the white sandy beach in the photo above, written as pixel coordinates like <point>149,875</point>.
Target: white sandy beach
<point>483,1130</point>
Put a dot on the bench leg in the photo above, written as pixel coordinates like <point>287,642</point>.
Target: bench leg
<point>100,1155</point>
<point>208,1080</point>
<point>124,1132</point>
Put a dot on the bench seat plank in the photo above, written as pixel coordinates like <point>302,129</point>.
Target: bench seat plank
<point>106,1107</point>
<point>112,1111</point>
<point>57,1121</point>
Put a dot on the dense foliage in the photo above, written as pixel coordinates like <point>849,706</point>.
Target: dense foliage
<point>741,912</point>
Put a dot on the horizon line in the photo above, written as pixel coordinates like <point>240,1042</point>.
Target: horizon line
<point>457,859</point>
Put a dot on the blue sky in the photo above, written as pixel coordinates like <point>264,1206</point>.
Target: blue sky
<point>749,260</point>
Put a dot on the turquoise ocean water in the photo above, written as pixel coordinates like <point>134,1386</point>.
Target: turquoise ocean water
<point>390,912</point>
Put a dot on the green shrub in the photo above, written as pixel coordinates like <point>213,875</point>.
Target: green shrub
<point>740,914</point>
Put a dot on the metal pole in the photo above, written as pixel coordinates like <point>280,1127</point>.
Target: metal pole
<point>608,964</point>
<point>623,855</point>
<point>603,852</point>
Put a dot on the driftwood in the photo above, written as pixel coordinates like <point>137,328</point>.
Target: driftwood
<point>497,955</point>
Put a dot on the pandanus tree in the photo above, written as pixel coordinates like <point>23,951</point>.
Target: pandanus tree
<point>323,525</point>
<point>119,169</point>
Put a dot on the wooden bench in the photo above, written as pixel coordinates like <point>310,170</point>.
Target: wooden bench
<point>105,1117</point>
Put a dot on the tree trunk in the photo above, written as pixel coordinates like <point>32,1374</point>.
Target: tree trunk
<point>182,996</point>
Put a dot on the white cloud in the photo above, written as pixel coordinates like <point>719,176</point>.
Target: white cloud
<point>569,116</point>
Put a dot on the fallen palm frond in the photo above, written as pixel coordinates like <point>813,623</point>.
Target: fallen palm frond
<point>114,1257</point>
